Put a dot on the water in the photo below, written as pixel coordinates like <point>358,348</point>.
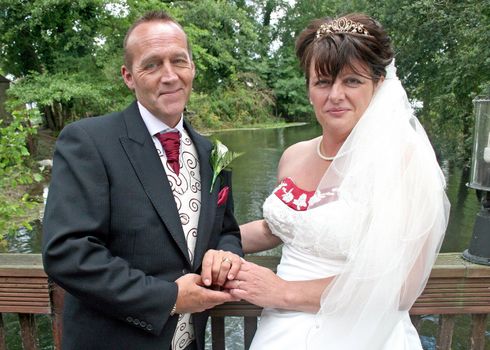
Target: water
<point>254,177</point>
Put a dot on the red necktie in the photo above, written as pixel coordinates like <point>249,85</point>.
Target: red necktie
<point>171,144</point>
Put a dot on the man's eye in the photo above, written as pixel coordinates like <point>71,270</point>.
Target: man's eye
<point>151,65</point>
<point>180,62</point>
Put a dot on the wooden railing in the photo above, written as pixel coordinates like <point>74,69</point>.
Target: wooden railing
<point>455,287</point>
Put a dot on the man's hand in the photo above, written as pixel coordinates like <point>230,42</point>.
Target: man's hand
<point>219,266</point>
<point>194,297</point>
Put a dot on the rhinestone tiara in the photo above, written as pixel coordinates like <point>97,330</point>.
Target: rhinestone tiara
<point>341,25</point>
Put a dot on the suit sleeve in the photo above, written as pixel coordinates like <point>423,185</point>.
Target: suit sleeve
<point>230,239</point>
<point>76,234</point>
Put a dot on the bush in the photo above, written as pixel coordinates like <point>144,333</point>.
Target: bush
<point>16,170</point>
<point>245,100</point>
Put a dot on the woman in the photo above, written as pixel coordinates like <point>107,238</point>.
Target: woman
<point>361,209</point>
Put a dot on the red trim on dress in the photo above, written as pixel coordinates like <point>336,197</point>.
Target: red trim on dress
<point>293,196</point>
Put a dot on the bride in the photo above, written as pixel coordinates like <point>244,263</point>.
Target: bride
<point>361,209</point>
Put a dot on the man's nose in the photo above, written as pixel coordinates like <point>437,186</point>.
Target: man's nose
<point>168,73</point>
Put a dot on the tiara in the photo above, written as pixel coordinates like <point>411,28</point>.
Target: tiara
<point>341,25</point>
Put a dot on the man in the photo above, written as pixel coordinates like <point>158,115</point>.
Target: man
<point>129,219</point>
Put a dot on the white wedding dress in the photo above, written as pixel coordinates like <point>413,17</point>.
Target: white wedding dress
<point>283,329</point>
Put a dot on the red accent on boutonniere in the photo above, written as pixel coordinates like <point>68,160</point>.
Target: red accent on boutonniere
<point>223,195</point>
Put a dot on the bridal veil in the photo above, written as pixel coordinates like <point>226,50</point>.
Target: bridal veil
<point>387,173</point>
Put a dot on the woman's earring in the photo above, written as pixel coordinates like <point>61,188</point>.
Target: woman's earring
<point>311,102</point>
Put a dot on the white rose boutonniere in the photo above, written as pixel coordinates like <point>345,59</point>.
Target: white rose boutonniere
<point>221,157</point>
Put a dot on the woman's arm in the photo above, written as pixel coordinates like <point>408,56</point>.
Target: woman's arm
<point>261,286</point>
<point>256,237</point>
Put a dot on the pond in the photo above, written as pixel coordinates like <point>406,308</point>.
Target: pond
<point>254,177</point>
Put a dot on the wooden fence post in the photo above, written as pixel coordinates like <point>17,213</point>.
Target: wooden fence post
<point>250,327</point>
<point>218,332</point>
<point>28,331</point>
<point>478,328</point>
<point>445,333</point>
<point>57,296</point>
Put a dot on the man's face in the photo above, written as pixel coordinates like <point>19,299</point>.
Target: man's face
<point>162,71</point>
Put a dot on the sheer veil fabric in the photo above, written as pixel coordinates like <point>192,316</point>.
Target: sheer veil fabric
<point>387,173</point>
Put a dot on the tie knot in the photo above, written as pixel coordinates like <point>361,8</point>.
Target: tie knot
<point>171,145</point>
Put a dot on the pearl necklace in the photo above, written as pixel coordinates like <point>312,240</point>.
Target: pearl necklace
<point>319,152</point>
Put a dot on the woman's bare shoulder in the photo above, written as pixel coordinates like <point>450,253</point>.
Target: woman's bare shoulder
<point>293,157</point>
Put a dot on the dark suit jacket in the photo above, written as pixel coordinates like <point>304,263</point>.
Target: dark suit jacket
<point>113,238</point>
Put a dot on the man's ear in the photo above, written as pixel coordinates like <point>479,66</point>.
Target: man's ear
<point>193,69</point>
<point>128,77</point>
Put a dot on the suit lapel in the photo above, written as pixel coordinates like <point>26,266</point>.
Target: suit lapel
<point>208,200</point>
<point>142,154</point>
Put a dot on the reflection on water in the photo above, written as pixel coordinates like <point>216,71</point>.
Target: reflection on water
<point>254,177</point>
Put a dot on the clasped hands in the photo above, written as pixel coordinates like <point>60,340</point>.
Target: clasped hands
<point>201,292</point>
<point>227,277</point>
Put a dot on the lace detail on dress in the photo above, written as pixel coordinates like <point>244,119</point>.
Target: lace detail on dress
<point>324,231</point>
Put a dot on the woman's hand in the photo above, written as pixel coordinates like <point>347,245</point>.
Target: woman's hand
<point>259,285</point>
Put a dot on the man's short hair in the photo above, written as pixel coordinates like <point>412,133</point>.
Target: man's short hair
<point>151,16</point>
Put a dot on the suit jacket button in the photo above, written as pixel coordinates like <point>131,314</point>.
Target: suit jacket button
<point>185,271</point>
<point>129,319</point>
<point>143,324</point>
<point>136,321</point>
<point>149,327</point>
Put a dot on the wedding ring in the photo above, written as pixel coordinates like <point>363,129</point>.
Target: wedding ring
<point>228,260</point>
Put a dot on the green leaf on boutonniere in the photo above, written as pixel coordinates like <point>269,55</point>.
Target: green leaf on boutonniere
<point>221,157</point>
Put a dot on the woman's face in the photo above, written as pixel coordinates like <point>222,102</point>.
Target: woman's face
<point>340,104</point>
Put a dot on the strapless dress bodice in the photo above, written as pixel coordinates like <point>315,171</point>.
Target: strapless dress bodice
<point>322,232</point>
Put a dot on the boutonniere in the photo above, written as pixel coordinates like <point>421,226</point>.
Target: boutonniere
<point>221,157</point>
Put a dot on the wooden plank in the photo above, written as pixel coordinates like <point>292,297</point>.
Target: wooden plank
<point>19,289</point>
<point>445,332</point>
<point>28,331</point>
<point>478,329</point>
<point>23,280</point>
<point>43,309</point>
<point>250,327</point>
<point>447,310</point>
<point>24,297</point>
<point>240,308</point>
<point>26,285</point>
<point>218,333</point>
<point>23,272</point>
<point>21,260</point>
<point>57,295</point>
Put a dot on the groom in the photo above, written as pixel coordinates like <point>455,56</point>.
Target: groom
<point>131,215</point>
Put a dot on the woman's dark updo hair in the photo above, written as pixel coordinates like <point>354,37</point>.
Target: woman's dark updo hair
<point>331,52</point>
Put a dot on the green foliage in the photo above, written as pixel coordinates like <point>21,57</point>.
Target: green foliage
<point>245,100</point>
<point>67,56</point>
<point>15,171</point>
<point>67,97</point>
<point>443,58</point>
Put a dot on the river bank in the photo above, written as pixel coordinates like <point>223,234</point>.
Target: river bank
<point>45,143</point>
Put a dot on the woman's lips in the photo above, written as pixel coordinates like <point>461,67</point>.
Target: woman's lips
<point>337,111</point>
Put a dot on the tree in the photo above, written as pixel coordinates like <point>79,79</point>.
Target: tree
<point>53,47</point>
<point>443,58</point>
